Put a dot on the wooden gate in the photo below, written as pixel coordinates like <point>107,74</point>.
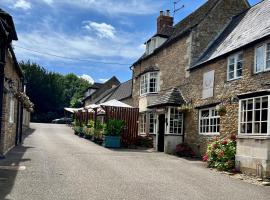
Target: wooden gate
<point>130,117</point>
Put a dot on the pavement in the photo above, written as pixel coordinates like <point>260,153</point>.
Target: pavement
<point>55,164</point>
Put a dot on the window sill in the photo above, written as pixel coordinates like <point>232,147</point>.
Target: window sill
<point>209,134</point>
<point>257,137</point>
<point>234,79</point>
<point>149,94</point>
<point>172,134</point>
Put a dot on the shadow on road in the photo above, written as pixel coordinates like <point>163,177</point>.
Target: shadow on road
<point>9,167</point>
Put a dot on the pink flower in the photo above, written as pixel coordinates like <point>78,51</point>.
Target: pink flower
<point>233,137</point>
<point>224,142</point>
<point>205,158</point>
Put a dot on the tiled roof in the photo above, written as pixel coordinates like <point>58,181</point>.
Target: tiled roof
<point>248,27</point>
<point>123,91</point>
<point>172,97</point>
<point>184,26</point>
<point>7,26</point>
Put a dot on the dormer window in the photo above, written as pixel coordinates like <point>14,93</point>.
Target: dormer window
<point>149,83</point>
<point>154,43</point>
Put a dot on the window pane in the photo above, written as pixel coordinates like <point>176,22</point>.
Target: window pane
<point>259,58</point>
<point>244,105</point>
<point>264,127</point>
<point>231,68</point>
<point>249,116</point>
<point>257,103</point>
<point>231,75</point>
<point>249,127</point>
<point>257,115</point>
<point>239,73</point>
<point>231,60</point>
<point>205,113</point>
<point>264,115</point>
<point>240,57</point>
<point>250,104</point>
<point>265,102</point>
<point>243,128</point>
<point>257,127</point>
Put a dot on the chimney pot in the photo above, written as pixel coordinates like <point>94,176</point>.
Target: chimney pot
<point>161,13</point>
<point>168,12</point>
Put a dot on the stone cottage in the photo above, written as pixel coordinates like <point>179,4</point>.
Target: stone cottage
<point>215,59</point>
<point>12,97</point>
<point>163,70</point>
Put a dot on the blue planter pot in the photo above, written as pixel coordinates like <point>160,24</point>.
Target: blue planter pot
<point>113,141</point>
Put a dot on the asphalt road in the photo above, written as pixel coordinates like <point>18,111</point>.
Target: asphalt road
<point>60,165</point>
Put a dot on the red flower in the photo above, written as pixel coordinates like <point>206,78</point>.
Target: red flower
<point>205,158</point>
<point>220,154</point>
<point>214,146</point>
<point>233,137</point>
<point>224,142</point>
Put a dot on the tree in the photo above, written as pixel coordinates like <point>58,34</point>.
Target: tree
<point>51,92</point>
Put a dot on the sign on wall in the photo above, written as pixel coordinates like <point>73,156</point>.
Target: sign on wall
<point>208,84</point>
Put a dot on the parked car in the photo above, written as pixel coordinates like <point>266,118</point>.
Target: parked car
<point>63,120</point>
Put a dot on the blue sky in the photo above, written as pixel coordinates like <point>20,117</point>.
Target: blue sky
<point>91,32</point>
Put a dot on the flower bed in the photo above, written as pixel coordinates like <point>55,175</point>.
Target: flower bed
<point>221,153</point>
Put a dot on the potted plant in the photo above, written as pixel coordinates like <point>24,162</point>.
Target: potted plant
<point>89,132</point>
<point>98,132</point>
<point>221,109</point>
<point>113,133</point>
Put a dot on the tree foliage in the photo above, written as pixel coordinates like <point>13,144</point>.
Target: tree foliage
<point>51,92</point>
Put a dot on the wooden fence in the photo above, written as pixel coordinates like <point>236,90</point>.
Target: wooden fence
<point>130,116</point>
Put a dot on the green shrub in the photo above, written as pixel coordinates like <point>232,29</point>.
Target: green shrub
<point>221,153</point>
<point>99,130</point>
<point>144,141</point>
<point>114,127</point>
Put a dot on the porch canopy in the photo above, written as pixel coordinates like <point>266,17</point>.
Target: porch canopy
<point>172,97</point>
<point>72,110</point>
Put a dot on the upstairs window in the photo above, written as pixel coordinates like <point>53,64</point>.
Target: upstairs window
<point>149,83</point>
<point>235,66</point>
<point>262,58</point>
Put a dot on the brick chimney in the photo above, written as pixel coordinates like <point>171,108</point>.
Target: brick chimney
<point>164,21</point>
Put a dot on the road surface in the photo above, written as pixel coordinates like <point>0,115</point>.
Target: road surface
<point>56,164</point>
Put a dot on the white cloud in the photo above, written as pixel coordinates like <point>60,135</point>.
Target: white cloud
<point>103,30</point>
<point>48,40</point>
<point>113,7</point>
<point>87,78</point>
<point>103,80</point>
<point>23,4</point>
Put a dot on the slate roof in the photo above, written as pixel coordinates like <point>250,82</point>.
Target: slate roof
<point>172,97</point>
<point>184,26</point>
<point>7,27</point>
<point>123,91</point>
<point>248,27</point>
<point>103,88</point>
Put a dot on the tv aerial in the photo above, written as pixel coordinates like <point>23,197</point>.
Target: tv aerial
<point>175,9</point>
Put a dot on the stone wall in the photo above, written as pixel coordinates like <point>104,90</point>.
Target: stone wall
<point>8,131</point>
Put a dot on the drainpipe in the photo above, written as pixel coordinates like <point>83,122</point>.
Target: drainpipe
<point>17,117</point>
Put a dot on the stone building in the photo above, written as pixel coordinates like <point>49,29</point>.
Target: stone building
<point>12,97</point>
<point>163,70</point>
<point>215,59</point>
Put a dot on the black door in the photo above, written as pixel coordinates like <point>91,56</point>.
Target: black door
<point>161,127</point>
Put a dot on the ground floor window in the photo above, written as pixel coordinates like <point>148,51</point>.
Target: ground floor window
<point>209,121</point>
<point>152,123</point>
<point>11,109</point>
<point>176,121</point>
<point>254,115</point>
<point>143,123</point>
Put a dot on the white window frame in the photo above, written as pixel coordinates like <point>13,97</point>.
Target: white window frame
<point>264,69</point>
<point>11,109</point>
<point>210,117</point>
<point>153,122</point>
<point>143,123</point>
<point>253,110</point>
<point>145,83</point>
<point>236,61</point>
<point>168,127</point>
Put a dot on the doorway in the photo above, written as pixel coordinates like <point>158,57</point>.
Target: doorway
<point>161,130</point>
